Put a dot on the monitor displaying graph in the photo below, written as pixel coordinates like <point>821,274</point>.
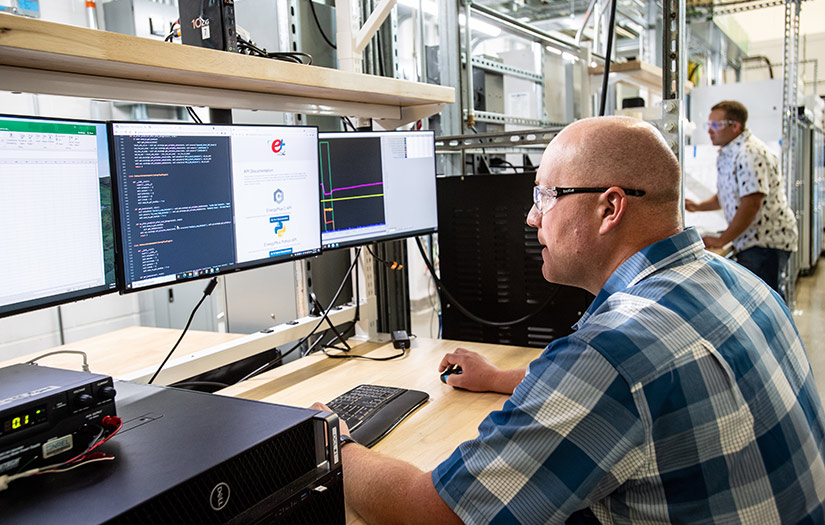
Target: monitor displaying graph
<point>376,186</point>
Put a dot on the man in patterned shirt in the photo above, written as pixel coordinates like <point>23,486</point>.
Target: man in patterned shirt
<point>751,192</point>
<point>684,396</point>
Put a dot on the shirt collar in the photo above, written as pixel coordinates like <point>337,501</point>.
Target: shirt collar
<point>675,250</point>
<point>736,143</point>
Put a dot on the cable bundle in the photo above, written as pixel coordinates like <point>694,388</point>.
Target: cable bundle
<point>110,426</point>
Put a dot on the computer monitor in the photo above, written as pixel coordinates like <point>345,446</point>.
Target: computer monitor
<point>56,227</point>
<point>198,200</point>
<point>376,186</point>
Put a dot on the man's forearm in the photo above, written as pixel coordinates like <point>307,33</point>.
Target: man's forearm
<point>386,490</point>
<point>744,216</point>
<point>709,205</point>
<point>508,380</point>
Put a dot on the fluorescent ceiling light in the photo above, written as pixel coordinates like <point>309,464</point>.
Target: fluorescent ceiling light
<point>481,27</point>
<point>553,50</point>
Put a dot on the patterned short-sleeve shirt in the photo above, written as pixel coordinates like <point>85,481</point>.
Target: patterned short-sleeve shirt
<point>745,166</point>
<point>684,396</point>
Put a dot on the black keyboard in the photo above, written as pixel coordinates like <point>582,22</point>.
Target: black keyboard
<point>371,411</point>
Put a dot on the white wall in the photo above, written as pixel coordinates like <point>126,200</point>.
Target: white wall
<point>763,99</point>
<point>71,12</point>
<point>811,48</point>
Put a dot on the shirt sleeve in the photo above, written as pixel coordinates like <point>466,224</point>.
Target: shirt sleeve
<point>752,172</point>
<point>568,436</point>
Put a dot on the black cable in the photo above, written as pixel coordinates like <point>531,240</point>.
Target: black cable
<point>484,156</point>
<point>497,163</point>
<point>692,71</point>
<point>368,358</point>
<point>206,293</point>
<point>172,31</point>
<point>318,24</point>
<point>392,265</point>
<point>275,362</point>
<point>338,336</point>
<point>346,120</point>
<point>439,286</point>
<point>194,115</point>
<point>332,327</point>
<point>357,290</point>
<point>215,384</point>
<point>249,48</point>
<point>610,30</point>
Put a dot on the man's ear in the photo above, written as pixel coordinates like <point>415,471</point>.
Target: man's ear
<point>612,204</point>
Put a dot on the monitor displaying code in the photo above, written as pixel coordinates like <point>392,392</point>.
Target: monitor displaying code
<point>200,200</point>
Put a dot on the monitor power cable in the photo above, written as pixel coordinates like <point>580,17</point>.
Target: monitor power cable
<point>338,335</point>
<point>194,115</point>
<point>439,286</point>
<point>280,358</point>
<point>392,265</point>
<point>318,24</point>
<point>206,293</point>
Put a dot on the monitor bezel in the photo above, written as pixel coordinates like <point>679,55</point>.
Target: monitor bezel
<point>391,236</point>
<point>70,297</point>
<point>236,267</point>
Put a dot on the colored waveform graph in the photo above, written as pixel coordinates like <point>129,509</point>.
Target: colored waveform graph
<point>352,186</point>
<point>330,198</point>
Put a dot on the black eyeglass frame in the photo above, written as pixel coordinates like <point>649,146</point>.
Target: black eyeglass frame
<point>559,192</point>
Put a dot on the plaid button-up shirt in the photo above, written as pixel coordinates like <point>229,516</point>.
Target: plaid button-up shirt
<point>684,396</point>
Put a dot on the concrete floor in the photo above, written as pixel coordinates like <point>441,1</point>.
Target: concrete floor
<point>809,314</point>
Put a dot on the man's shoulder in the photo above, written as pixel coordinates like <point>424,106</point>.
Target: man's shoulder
<point>635,332</point>
<point>642,329</point>
<point>753,146</point>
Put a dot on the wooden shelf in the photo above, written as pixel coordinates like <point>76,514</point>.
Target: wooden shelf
<point>634,72</point>
<point>45,57</point>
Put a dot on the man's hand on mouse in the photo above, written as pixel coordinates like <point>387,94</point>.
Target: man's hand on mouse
<point>477,373</point>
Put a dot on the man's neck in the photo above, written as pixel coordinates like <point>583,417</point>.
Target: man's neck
<point>734,139</point>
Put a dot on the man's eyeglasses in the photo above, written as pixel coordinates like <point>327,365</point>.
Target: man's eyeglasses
<point>716,125</point>
<point>545,198</point>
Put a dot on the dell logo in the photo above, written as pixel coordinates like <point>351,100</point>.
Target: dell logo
<point>219,497</point>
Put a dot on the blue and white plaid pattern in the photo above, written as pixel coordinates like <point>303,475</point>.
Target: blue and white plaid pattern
<point>685,396</point>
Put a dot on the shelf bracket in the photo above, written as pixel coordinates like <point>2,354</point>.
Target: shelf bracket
<point>352,39</point>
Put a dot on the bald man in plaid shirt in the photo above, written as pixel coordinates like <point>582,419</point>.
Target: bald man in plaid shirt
<point>683,396</point>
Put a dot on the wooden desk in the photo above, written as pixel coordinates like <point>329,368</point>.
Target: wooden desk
<point>432,432</point>
<point>126,350</point>
<point>424,439</point>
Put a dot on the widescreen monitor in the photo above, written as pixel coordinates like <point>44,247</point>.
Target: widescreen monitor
<point>56,228</point>
<point>376,186</point>
<point>198,200</point>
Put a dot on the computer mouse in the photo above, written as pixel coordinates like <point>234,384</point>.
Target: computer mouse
<point>452,369</point>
